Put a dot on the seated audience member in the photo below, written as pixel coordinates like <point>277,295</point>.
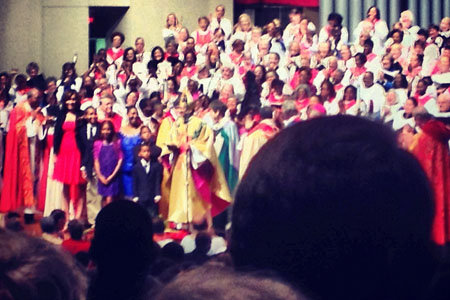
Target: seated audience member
<point>218,244</point>
<point>49,232</point>
<point>217,282</point>
<point>122,251</point>
<point>60,219</point>
<point>335,212</point>
<point>12,222</point>
<point>173,251</point>
<point>202,246</point>
<point>31,269</point>
<point>159,236</point>
<point>76,243</point>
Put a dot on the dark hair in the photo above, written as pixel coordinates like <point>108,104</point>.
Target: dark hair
<point>369,43</point>
<point>434,26</point>
<point>203,242</point>
<point>158,225</point>
<point>32,65</point>
<point>67,66</point>
<point>203,18</point>
<point>423,32</point>
<point>75,230</point>
<point>352,87</point>
<point>335,17</point>
<point>153,53</point>
<point>329,86</point>
<point>403,82</point>
<point>57,215</point>
<point>335,211</point>
<point>413,100</point>
<point>266,112</point>
<point>122,249</point>
<point>119,34</point>
<point>391,33</point>
<point>190,52</point>
<point>111,135</point>
<point>219,106</point>
<point>68,96</point>
<point>174,81</point>
<point>377,15</point>
<point>47,225</point>
<point>173,251</point>
<point>420,43</point>
<point>362,57</point>
<point>33,269</point>
<point>62,117</point>
<point>125,53</point>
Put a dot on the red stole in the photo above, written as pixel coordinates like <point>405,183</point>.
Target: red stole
<point>203,38</point>
<point>301,104</point>
<point>422,100</point>
<point>114,55</point>
<point>189,71</point>
<point>349,104</point>
<point>371,57</point>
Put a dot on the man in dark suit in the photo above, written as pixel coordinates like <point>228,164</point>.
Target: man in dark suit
<point>86,135</point>
<point>147,175</point>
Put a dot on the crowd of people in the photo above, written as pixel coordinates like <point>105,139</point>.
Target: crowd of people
<point>152,147</point>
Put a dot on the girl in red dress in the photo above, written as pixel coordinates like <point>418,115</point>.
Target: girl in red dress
<point>68,157</point>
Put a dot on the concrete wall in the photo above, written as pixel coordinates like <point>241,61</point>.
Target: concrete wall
<point>65,32</point>
<point>49,32</point>
<point>20,33</point>
<point>146,18</point>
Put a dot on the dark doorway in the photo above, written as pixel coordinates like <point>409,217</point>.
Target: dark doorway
<point>101,22</point>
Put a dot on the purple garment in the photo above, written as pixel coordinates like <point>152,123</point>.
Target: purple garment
<point>108,158</point>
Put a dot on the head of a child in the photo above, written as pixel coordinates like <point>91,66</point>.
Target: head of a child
<point>75,230</point>
<point>90,115</point>
<point>203,23</point>
<point>144,152</point>
<point>145,133</point>
<point>60,218</point>
<point>107,131</point>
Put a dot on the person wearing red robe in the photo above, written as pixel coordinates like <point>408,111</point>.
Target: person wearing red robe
<point>430,147</point>
<point>18,176</point>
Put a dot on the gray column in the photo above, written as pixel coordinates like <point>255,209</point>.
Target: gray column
<point>446,11</point>
<point>366,5</point>
<point>382,6</point>
<point>354,17</point>
<point>325,7</point>
<point>394,8</point>
<point>424,13</point>
<point>341,8</point>
<point>436,12</point>
<point>412,6</point>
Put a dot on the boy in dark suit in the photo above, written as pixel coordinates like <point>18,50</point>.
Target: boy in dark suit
<point>86,135</point>
<point>147,175</point>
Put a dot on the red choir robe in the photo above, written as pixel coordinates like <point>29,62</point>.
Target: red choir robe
<point>430,147</point>
<point>17,179</point>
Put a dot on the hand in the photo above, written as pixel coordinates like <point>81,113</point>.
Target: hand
<point>102,179</point>
<point>84,174</point>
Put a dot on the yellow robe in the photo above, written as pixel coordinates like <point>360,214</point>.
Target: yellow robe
<point>161,142</point>
<point>186,202</point>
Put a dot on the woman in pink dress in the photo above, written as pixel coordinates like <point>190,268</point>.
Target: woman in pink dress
<point>68,157</point>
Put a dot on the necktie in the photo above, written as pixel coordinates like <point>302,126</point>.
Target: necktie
<point>92,133</point>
